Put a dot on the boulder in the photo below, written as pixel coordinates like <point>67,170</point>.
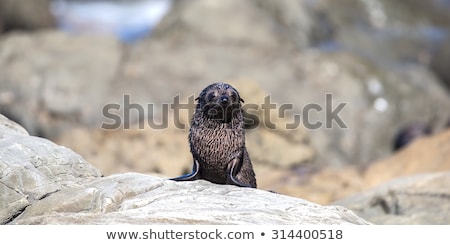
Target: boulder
<point>43,183</point>
<point>9,127</point>
<point>387,32</point>
<point>78,76</point>
<point>138,150</point>
<point>325,185</point>
<point>370,103</point>
<point>124,150</point>
<point>52,81</point>
<point>422,199</point>
<point>32,168</point>
<point>25,15</point>
<point>424,155</point>
<point>380,98</point>
<point>133,198</point>
<point>249,25</point>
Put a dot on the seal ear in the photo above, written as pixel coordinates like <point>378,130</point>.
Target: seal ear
<point>242,100</point>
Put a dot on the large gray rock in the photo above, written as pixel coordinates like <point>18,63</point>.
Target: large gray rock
<point>387,32</point>
<point>9,127</point>
<point>77,76</point>
<point>378,101</point>
<point>25,14</point>
<point>381,97</point>
<point>248,25</point>
<point>43,183</point>
<point>53,81</point>
<point>420,199</point>
<point>133,198</point>
<point>32,168</point>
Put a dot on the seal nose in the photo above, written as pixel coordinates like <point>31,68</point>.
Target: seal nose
<point>224,100</point>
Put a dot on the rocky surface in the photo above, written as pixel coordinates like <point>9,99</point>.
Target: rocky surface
<point>43,183</point>
<point>32,168</point>
<point>142,199</point>
<point>52,81</point>
<point>386,61</point>
<point>169,154</point>
<point>25,15</point>
<point>387,32</point>
<point>326,185</point>
<point>425,155</point>
<point>421,199</point>
<point>265,42</point>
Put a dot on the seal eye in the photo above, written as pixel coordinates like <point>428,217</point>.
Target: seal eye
<point>211,96</point>
<point>233,97</point>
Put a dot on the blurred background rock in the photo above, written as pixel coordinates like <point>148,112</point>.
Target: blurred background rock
<point>63,61</point>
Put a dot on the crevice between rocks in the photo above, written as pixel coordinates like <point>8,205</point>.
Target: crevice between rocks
<point>15,215</point>
<point>20,211</point>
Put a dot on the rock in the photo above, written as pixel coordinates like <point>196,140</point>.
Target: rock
<point>9,127</point>
<point>375,104</point>
<point>387,32</point>
<point>288,148</point>
<point>53,81</point>
<point>420,200</point>
<point>322,185</point>
<point>325,185</point>
<point>133,198</point>
<point>379,98</point>
<point>184,55</point>
<point>166,151</point>
<point>424,155</point>
<point>248,25</point>
<point>43,183</point>
<point>409,133</point>
<point>139,150</point>
<point>32,168</point>
<point>440,61</point>
<point>25,14</point>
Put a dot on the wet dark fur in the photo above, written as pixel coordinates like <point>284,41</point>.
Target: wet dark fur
<point>217,139</point>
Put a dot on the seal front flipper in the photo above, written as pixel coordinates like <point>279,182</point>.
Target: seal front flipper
<point>231,175</point>
<point>191,176</point>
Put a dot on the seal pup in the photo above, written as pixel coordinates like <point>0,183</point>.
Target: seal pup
<point>217,139</point>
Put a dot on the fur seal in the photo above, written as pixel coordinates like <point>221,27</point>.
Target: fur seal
<point>217,139</point>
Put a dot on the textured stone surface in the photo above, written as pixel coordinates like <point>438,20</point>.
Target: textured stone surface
<point>43,183</point>
<point>424,155</point>
<point>25,14</point>
<point>53,81</point>
<point>263,42</point>
<point>133,198</point>
<point>9,127</point>
<point>31,168</point>
<point>421,199</point>
<point>325,185</point>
